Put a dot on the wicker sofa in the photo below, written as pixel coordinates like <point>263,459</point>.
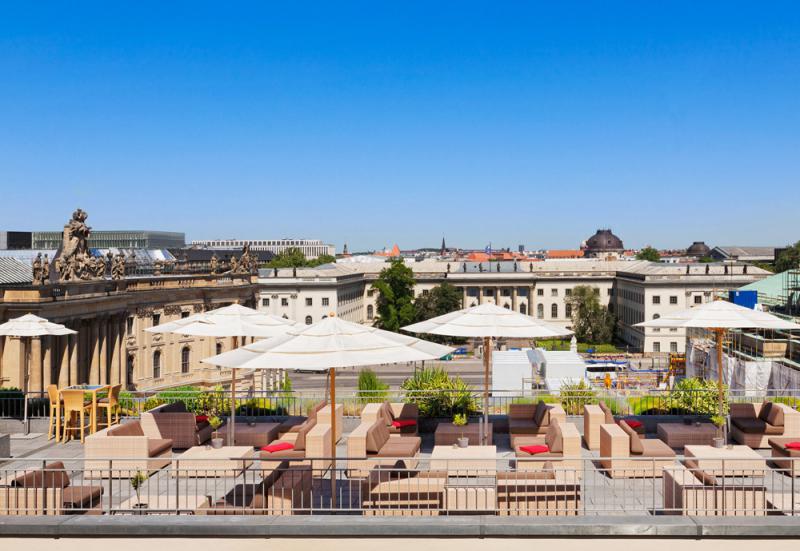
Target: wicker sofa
<point>48,491</point>
<point>533,419</point>
<point>310,445</point>
<point>623,454</point>
<point>371,445</point>
<point>548,492</point>
<point>563,441</point>
<point>122,450</point>
<point>596,415</point>
<point>754,424</point>
<point>173,422</point>
<point>697,493</point>
<point>400,418</point>
<point>786,459</point>
<point>284,491</point>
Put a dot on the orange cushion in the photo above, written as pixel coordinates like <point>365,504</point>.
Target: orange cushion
<point>533,450</point>
<point>400,423</point>
<point>278,447</point>
<point>792,445</point>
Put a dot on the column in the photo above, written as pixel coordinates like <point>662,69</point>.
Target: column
<point>35,366</point>
<point>47,361</point>
<point>94,352</point>
<point>480,295</point>
<point>465,298</point>
<point>114,340</point>
<point>514,298</point>
<point>531,305</point>
<point>74,346</point>
<point>102,345</point>
<point>63,371</point>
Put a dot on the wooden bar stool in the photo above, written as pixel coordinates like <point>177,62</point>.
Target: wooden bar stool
<point>75,406</point>
<point>55,413</point>
<point>111,404</point>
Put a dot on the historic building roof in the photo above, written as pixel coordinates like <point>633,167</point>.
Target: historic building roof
<point>698,249</point>
<point>603,242</point>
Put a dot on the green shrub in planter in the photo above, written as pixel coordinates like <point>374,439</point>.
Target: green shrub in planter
<point>439,395</point>
<point>696,397</point>
<point>576,395</point>
<point>370,387</point>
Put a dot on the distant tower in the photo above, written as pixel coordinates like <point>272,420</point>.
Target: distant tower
<point>344,251</point>
<point>444,247</point>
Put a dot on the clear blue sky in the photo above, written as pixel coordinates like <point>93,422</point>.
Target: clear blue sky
<point>380,122</point>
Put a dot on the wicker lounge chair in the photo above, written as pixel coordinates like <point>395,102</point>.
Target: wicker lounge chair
<point>400,418</point>
<point>533,419</point>
<point>122,450</point>
<point>371,445</point>
<point>625,455</point>
<point>600,414</point>
<point>697,493</point>
<point>754,424</point>
<point>48,491</point>
<point>174,422</point>
<point>563,441</point>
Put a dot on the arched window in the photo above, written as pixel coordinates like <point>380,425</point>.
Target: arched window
<point>568,311</point>
<point>656,316</point>
<point>506,306</point>
<point>219,348</point>
<point>370,312</point>
<point>554,311</point>
<point>157,364</point>
<point>540,310</point>
<point>129,365</point>
<point>308,320</point>
<point>523,309</point>
<point>185,359</point>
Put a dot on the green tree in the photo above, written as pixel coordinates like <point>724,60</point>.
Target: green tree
<point>592,321</point>
<point>648,253</point>
<point>322,259</point>
<point>440,300</point>
<point>395,286</point>
<point>289,258</point>
<point>789,259</point>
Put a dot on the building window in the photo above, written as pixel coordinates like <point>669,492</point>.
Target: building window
<point>309,321</point>
<point>673,347</point>
<point>698,299</point>
<point>656,316</point>
<point>129,326</point>
<point>540,292</point>
<point>506,292</point>
<point>218,348</point>
<point>325,301</point>
<point>488,292</point>
<point>309,302</point>
<point>185,357</point>
<point>157,364</point>
<point>568,292</point>
<point>656,299</point>
<point>370,292</point>
<point>554,311</point>
<point>507,306</point>
<point>264,302</point>
<point>156,319</point>
<point>568,311</point>
<point>184,314</point>
<point>656,347</point>
<point>284,302</point>
<point>522,291</point>
<point>370,312</point>
<point>553,292</point>
<point>673,300</point>
<point>610,291</point>
<point>540,311</point>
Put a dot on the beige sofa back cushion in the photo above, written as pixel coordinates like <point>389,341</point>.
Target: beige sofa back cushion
<point>607,412</point>
<point>377,436</point>
<point>540,415</point>
<point>554,438</point>
<point>134,428</point>
<point>636,446</point>
<point>775,416</point>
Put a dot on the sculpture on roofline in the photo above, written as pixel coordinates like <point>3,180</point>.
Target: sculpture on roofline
<point>214,263</point>
<point>37,269</point>
<point>75,261</point>
<point>46,270</point>
<point>118,267</point>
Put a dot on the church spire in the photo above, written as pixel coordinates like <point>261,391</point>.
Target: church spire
<point>444,247</point>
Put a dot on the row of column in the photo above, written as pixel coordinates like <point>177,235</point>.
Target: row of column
<point>95,355</point>
<point>497,297</point>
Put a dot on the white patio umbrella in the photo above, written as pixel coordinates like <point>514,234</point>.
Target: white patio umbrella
<point>234,321</point>
<point>325,346</point>
<point>488,321</point>
<point>719,316</point>
<point>26,327</point>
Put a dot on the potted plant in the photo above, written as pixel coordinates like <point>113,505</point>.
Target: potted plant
<point>719,422</point>
<point>460,420</point>
<point>137,481</point>
<point>216,441</point>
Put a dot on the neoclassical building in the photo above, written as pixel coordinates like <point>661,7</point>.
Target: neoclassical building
<point>633,290</point>
<point>111,345</point>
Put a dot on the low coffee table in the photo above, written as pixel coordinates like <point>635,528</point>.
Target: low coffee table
<point>736,460</point>
<point>469,461</point>
<point>255,436</point>
<point>448,433</point>
<point>678,435</point>
<point>162,504</point>
<point>205,461</point>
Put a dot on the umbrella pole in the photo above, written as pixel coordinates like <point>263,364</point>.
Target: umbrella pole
<point>232,422</point>
<point>27,365</point>
<point>487,359</point>
<point>720,385</point>
<point>333,436</point>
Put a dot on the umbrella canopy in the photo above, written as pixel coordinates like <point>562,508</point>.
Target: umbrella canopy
<point>30,325</point>
<point>488,321</point>
<point>326,345</point>
<point>720,314</point>
<point>234,320</point>
<point>25,327</point>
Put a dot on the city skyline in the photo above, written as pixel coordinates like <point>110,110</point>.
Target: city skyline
<point>532,124</point>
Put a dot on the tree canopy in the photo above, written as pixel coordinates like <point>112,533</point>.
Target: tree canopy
<point>395,285</point>
<point>788,259</point>
<point>648,253</point>
<point>591,321</point>
<point>294,258</point>
<point>440,300</point>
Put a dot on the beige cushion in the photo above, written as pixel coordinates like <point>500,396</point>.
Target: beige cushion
<point>540,413</point>
<point>134,428</point>
<point>764,412</point>
<point>654,448</point>
<point>401,447</point>
<point>635,442</point>
<point>157,446</point>
<point>553,439</point>
<point>775,416</point>
<point>302,432</point>
<point>377,436</point>
<point>607,412</point>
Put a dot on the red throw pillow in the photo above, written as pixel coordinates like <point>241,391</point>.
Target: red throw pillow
<point>633,424</point>
<point>200,418</point>
<point>533,450</point>
<point>400,423</point>
<point>278,447</point>
<point>792,445</point>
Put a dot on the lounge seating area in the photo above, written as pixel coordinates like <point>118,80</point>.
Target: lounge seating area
<point>754,424</point>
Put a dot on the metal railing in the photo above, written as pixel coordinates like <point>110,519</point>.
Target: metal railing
<point>433,403</point>
<point>734,486</point>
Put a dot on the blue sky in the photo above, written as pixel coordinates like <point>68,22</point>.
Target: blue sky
<point>373,123</point>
